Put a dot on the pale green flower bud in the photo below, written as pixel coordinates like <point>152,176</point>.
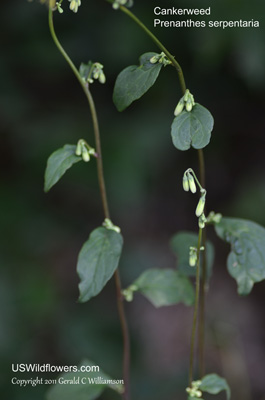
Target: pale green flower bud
<point>192,259</point>
<point>192,184</point>
<point>200,206</point>
<point>201,221</point>
<point>79,145</point>
<point>85,153</point>
<point>59,8</point>
<point>153,60</point>
<point>74,4</point>
<point>115,6</point>
<point>185,183</point>
<point>102,78</point>
<point>128,295</point>
<point>179,107</point>
<point>189,105</point>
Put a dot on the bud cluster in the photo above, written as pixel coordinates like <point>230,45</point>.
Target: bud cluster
<point>161,59</point>
<point>59,7</point>
<point>189,184</point>
<point>117,3</point>
<point>74,4</point>
<point>128,293</point>
<point>109,225</point>
<point>84,150</point>
<point>193,255</point>
<point>91,71</point>
<point>98,73</point>
<point>186,101</point>
<point>214,218</point>
<point>194,391</point>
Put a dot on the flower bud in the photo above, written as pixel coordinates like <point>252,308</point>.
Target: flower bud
<point>185,183</point>
<point>189,105</point>
<point>191,183</point>
<point>78,150</point>
<point>201,223</point>
<point>153,60</point>
<point>179,107</point>
<point>85,153</point>
<point>102,78</point>
<point>192,259</point>
<point>200,206</point>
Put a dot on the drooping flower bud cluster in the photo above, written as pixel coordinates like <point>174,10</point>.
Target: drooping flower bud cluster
<point>186,101</point>
<point>98,72</point>
<point>128,293</point>
<point>59,7</point>
<point>189,184</point>
<point>194,391</point>
<point>92,71</point>
<point>161,59</point>
<point>84,150</point>
<point>74,4</point>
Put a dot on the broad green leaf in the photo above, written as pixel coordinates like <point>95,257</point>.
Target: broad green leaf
<point>86,385</point>
<point>192,128</point>
<point>58,163</point>
<point>164,287</point>
<point>246,261</point>
<point>97,261</point>
<point>134,81</point>
<point>180,244</point>
<point>214,384</point>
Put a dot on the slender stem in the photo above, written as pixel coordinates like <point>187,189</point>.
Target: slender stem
<point>126,338</point>
<point>196,306</point>
<point>201,327</point>
<point>103,193</point>
<point>160,45</point>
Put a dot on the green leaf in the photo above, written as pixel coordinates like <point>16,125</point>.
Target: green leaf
<point>246,261</point>
<point>164,287</point>
<point>180,244</point>
<point>192,128</point>
<point>97,261</point>
<point>214,384</point>
<point>81,385</point>
<point>134,81</point>
<point>58,163</point>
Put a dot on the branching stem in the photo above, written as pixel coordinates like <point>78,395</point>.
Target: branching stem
<point>103,193</point>
<point>202,180</point>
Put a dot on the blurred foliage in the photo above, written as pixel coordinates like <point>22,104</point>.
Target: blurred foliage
<point>42,108</point>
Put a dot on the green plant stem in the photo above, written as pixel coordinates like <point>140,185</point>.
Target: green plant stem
<point>160,45</point>
<point>201,328</point>
<point>103,193</point>
<point>196,307</point>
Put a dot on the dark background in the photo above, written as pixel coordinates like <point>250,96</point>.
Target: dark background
<point>42,108</point>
